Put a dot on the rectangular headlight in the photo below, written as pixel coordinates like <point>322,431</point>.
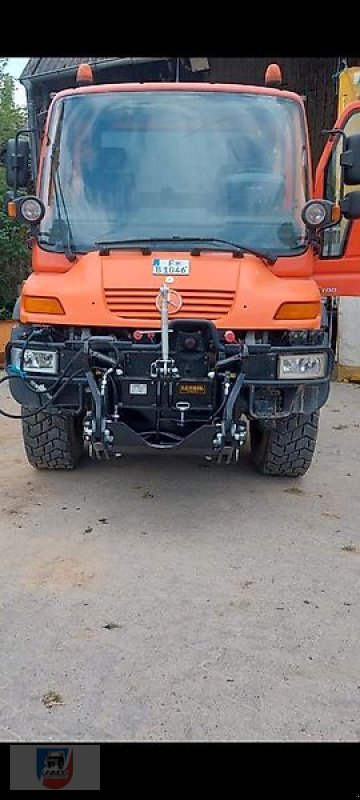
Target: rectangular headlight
<point>42,361</point>
<point>302,366</point>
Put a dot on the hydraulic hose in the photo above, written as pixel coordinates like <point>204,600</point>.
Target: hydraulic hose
<point>53,385</point>
<point>51,399</point>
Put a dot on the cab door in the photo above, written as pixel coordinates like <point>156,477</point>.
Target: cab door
<point>337,266</point>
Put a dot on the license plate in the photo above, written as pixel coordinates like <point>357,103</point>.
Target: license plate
<point>171,266</point>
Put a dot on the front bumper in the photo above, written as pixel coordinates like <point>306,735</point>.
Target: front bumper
<point>262,394</point>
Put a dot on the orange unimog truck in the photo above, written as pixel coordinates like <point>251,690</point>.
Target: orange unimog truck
<point>181,263</point>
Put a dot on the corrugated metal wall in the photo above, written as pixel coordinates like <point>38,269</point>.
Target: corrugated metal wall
<point>306,76</point>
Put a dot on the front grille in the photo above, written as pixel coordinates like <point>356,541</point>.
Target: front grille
<point>197,303</point>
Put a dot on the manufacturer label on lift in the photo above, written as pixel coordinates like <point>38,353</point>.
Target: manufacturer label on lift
<point>171,266</point>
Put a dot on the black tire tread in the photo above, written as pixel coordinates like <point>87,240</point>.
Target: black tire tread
<point>51,441</point>
<point>287,449</point>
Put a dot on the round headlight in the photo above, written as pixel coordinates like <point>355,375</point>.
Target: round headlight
<point>32,209</point>
<point>314,214</point>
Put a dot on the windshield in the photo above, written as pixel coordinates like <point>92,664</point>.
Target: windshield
<point>148,164</point>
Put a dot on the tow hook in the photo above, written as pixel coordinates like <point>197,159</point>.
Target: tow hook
<point>228,447</point>
<point>94,444</point>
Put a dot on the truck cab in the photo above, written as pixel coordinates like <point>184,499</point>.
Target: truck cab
<point>181,260</point>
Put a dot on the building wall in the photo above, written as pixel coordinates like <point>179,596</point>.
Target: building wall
<point>312,77</point>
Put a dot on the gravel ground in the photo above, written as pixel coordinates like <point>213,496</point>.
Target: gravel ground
<point>174,600</point>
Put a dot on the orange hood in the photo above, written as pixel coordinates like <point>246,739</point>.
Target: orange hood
<point>120,290</point>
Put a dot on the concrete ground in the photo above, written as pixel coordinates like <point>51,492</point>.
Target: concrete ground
<point>174,600</point>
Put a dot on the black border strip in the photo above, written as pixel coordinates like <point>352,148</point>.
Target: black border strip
<point>244,769</point>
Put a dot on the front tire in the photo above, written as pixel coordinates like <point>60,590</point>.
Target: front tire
<point>287,449</point>
<point>52,441</point>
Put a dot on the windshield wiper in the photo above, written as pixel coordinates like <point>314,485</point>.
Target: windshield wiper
<point>64,226</point>
<point>207,241</point>
<point>239,249</point>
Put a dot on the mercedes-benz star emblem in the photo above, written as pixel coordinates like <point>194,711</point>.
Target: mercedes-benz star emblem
<point>174,299</point>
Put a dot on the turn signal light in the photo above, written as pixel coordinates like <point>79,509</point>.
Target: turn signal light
<point>11,209</point>
<point>336,213</point>
<point>42,305</point>
<point>298,311</point>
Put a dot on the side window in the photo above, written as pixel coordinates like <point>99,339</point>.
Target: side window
<point>335,238</point>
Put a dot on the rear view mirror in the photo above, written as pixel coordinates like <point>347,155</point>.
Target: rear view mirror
<point>350,160</point>
<point>17,163</point>
<point>350,205</point>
